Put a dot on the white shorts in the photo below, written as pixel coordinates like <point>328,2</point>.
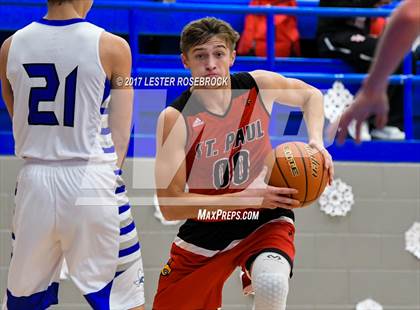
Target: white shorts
<point>81,213</point>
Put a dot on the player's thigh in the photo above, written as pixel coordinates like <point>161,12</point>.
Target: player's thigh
<point>101,245</point>
<point>37,255</point>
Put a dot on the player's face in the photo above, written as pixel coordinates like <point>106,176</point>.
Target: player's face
<point>211,59</point>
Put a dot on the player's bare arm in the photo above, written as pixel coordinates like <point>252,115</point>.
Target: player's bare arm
<point>170,171</point>
<point>115,56</point>
<point>276,88</point>
<point>387,58</point>
<point>372,98</point>
<point>6,88</point>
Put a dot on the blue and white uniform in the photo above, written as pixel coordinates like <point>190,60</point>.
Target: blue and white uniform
<point>70,199</point>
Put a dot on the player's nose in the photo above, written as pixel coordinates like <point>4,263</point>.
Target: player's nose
<point>211,64</point>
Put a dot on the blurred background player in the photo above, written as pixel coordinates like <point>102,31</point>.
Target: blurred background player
<point>355,41</point>
<point>215,140</point>
<point>402,30</point>
<point>70,198</point>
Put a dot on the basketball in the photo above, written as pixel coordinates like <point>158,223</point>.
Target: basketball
<point>300,166</point>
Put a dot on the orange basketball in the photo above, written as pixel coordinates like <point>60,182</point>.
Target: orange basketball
<point>300,166</point>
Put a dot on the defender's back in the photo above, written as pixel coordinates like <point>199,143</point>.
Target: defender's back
<point>60,92</point>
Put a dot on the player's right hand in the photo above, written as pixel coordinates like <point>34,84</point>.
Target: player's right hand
<point>365,104</point>
<point>272,197</point>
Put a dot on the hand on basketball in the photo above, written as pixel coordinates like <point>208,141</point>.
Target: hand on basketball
<point>366,103</point>
<point>328,162</point>
<point>273,197</point>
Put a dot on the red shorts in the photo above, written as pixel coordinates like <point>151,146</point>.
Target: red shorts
<point>194,282</point>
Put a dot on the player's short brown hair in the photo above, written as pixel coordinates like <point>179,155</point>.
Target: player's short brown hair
<point>201,30</point>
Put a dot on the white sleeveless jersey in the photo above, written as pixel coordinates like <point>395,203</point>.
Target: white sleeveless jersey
<point>60,92</point>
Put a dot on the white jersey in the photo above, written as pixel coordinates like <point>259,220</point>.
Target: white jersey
<point>60,92</point>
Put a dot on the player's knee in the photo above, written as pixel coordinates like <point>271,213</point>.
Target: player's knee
<point>271,289</point>
<point>270,280</point>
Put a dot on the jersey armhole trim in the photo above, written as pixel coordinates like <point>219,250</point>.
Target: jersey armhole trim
<point>187,132</point>
<point>98,55</point>
<point>260,99</point>
<point>8,58</point>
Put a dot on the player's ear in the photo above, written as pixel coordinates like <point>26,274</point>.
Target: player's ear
<point>184,59</point>
<point>232,58</point>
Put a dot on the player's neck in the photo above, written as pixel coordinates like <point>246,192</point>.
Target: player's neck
<point>216,101</point>
<point>62,12</point>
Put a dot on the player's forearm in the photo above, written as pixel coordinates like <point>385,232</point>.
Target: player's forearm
<point>183,206</point>
<point>313,112</point>
<point>121,139</point>
<point>121,154</point>
<point>120,115</point>
<point>401,31</point>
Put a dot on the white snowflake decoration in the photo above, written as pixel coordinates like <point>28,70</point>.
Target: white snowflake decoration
<point>336,100</point>
<point>412,240</point>
<point>337,199</point>
<point>369,304</point>
<point>158,214</point>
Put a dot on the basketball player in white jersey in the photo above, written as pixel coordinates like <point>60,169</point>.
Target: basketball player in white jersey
<point>71,202</point>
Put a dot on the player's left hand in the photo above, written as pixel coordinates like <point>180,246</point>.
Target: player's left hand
<point>328,162</point>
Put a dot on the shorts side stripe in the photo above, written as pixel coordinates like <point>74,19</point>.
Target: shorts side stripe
<point>123,208</point>
<point>127,229</point>
<point>120,189</point>
<point>126,221</point>
<point>129,250</point>
<point>129,243</point>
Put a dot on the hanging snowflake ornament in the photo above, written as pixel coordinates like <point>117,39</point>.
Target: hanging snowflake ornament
<point>412,240</point>
<point>369,304</point>
<point>158,214</point>
<point>336,100</point>
<point>337,199</point>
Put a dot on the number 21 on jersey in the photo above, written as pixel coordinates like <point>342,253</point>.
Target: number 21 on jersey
<point>48,94</point>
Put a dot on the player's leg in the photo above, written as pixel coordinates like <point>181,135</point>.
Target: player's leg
<point>267,259</point>
<point>37,257</point>
<point>270,279</point>
<point>100,240</point>
<point>193,281</point>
